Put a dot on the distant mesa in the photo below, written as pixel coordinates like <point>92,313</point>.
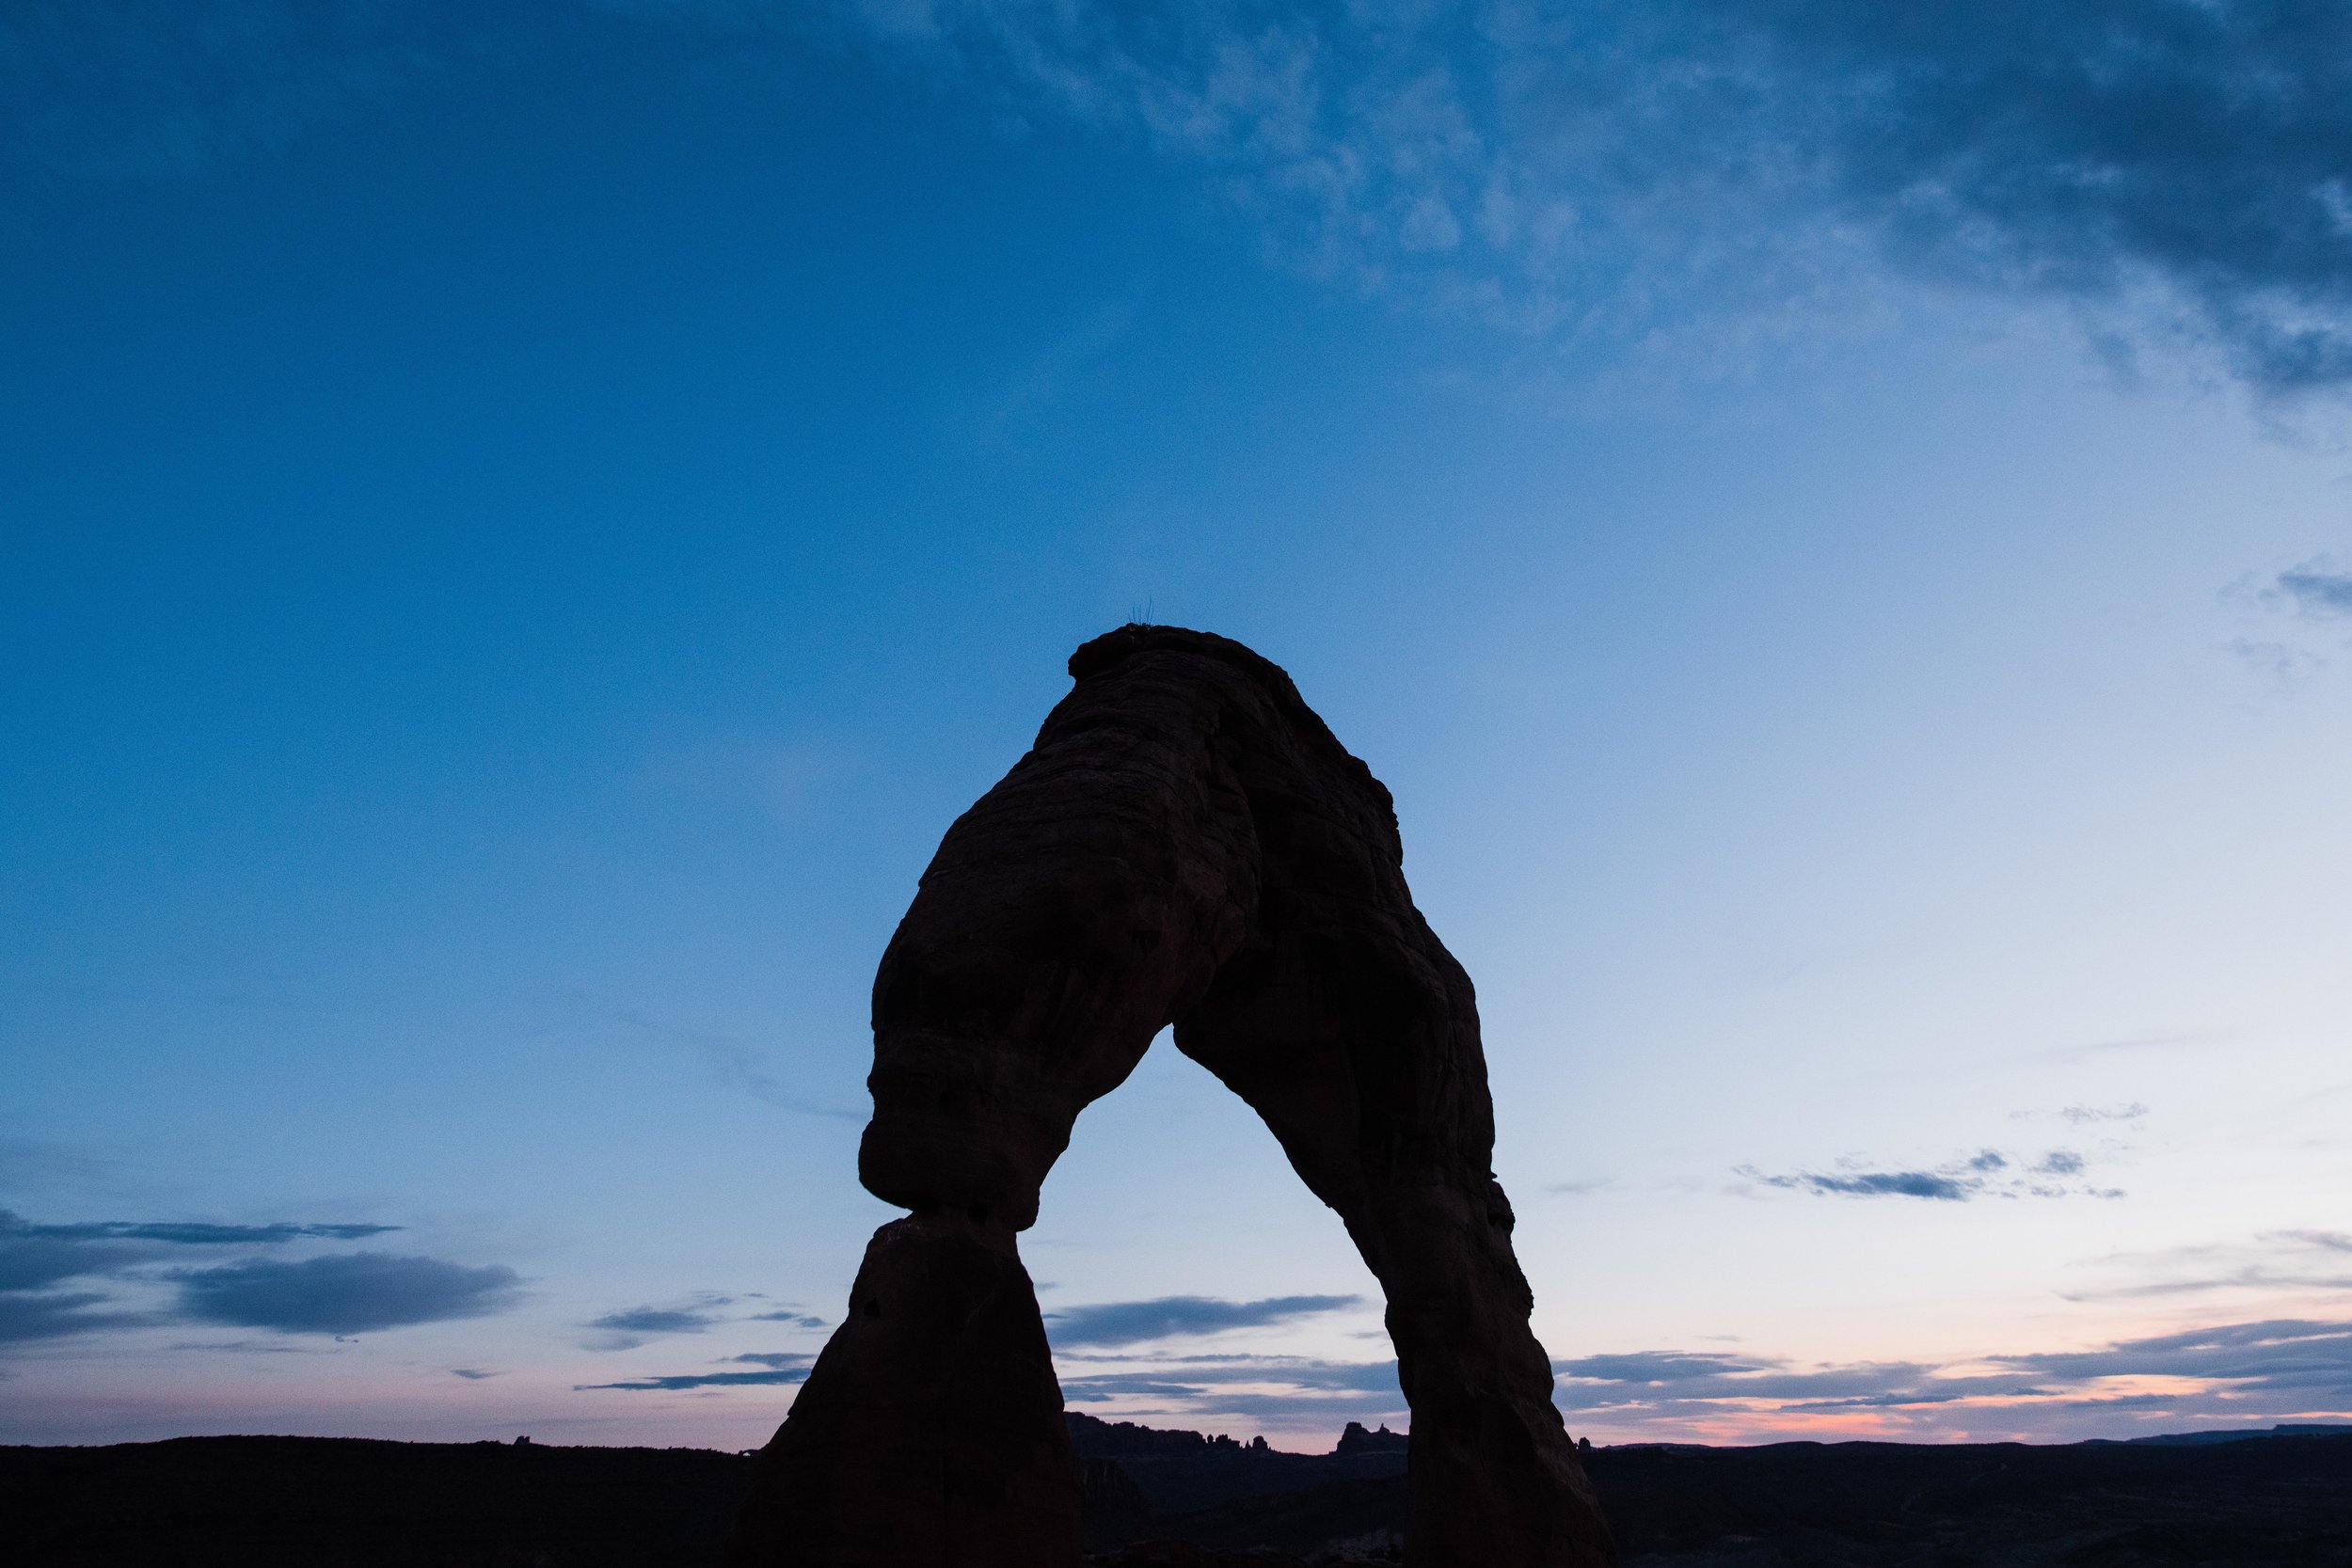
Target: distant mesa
<point>1185,844</point>
<point>1355,1440</point>
<point>1093,1437</point>
<point>2237,1434</point>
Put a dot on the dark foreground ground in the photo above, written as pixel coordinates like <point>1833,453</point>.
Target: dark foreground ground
<point>1174,1500</point>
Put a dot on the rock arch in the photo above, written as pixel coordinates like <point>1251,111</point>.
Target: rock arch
<point>1188,844</point>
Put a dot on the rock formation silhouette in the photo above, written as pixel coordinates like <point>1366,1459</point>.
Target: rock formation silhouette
<point>1187,844</point>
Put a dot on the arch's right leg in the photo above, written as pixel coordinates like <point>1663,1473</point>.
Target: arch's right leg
<point>1353,1033</point>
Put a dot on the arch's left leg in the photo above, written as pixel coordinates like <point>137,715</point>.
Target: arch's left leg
<point>1066,917</point>
<point>930,1430</point>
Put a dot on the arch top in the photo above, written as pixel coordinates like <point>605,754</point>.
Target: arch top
<point>1104,656</point>
<point>1098,653</point>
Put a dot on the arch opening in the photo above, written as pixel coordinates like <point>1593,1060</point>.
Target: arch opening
<point>1176,1250</point>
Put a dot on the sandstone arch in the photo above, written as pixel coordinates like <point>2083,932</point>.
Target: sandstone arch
<point>1185,844</point>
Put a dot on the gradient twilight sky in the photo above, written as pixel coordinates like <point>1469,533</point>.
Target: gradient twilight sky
<point>518,532</point>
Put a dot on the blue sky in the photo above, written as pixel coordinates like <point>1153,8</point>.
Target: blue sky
<point>516,536</point>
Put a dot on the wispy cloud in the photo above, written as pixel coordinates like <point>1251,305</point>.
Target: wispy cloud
<point>2307,1360</point>
<point>775,1369</point>
<point>1987,1173</point>
<point>2291,1261</point>
<point>2240,1373</point>
<point>32,1253</point>
<point>1881,1183</point>
<point>1579,1188</point>
<point>1201,1372</point>
<point>1121,1323</point>
<point>2326,1241</point>
<point>2088,1115</point>
<point>35,1257</point>
<point>2182,171</point>
<point>28,1263</point>
<point>701,1379</point>
<point>347,1293</point>
<point>2294,622</point>
<point>792,1315</point>
<point>1674,1380</point>
<point>737,1065</point>
<point>1705,173</point>
<point>2283,667</point>
<point>184,1232</point>
<point>2084,1051</point>
<point>656,1320</point>
<point>1280,1390</point>
<point>49,1315</point>
<point>630,1327</point>
<point>2317,588</point>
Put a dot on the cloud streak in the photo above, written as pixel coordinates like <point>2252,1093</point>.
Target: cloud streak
<point>1988,1173</point>
<point>49,1315</point>
<point>699,1380</point>
<point>776,1370</point>
<point>630,1327</point>
<point>188,1233</point>
<point>1123,1322</point>
<point>32,1255</point>
<point>656,1320</point>
<point>2278,1260</point>
<point>1884,1183</point>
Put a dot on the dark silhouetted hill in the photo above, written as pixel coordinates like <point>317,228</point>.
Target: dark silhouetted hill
<point>335,1502</point>
<point>1171,1500</point>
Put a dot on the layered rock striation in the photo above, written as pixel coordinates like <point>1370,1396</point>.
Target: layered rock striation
<point>1187,844</point>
